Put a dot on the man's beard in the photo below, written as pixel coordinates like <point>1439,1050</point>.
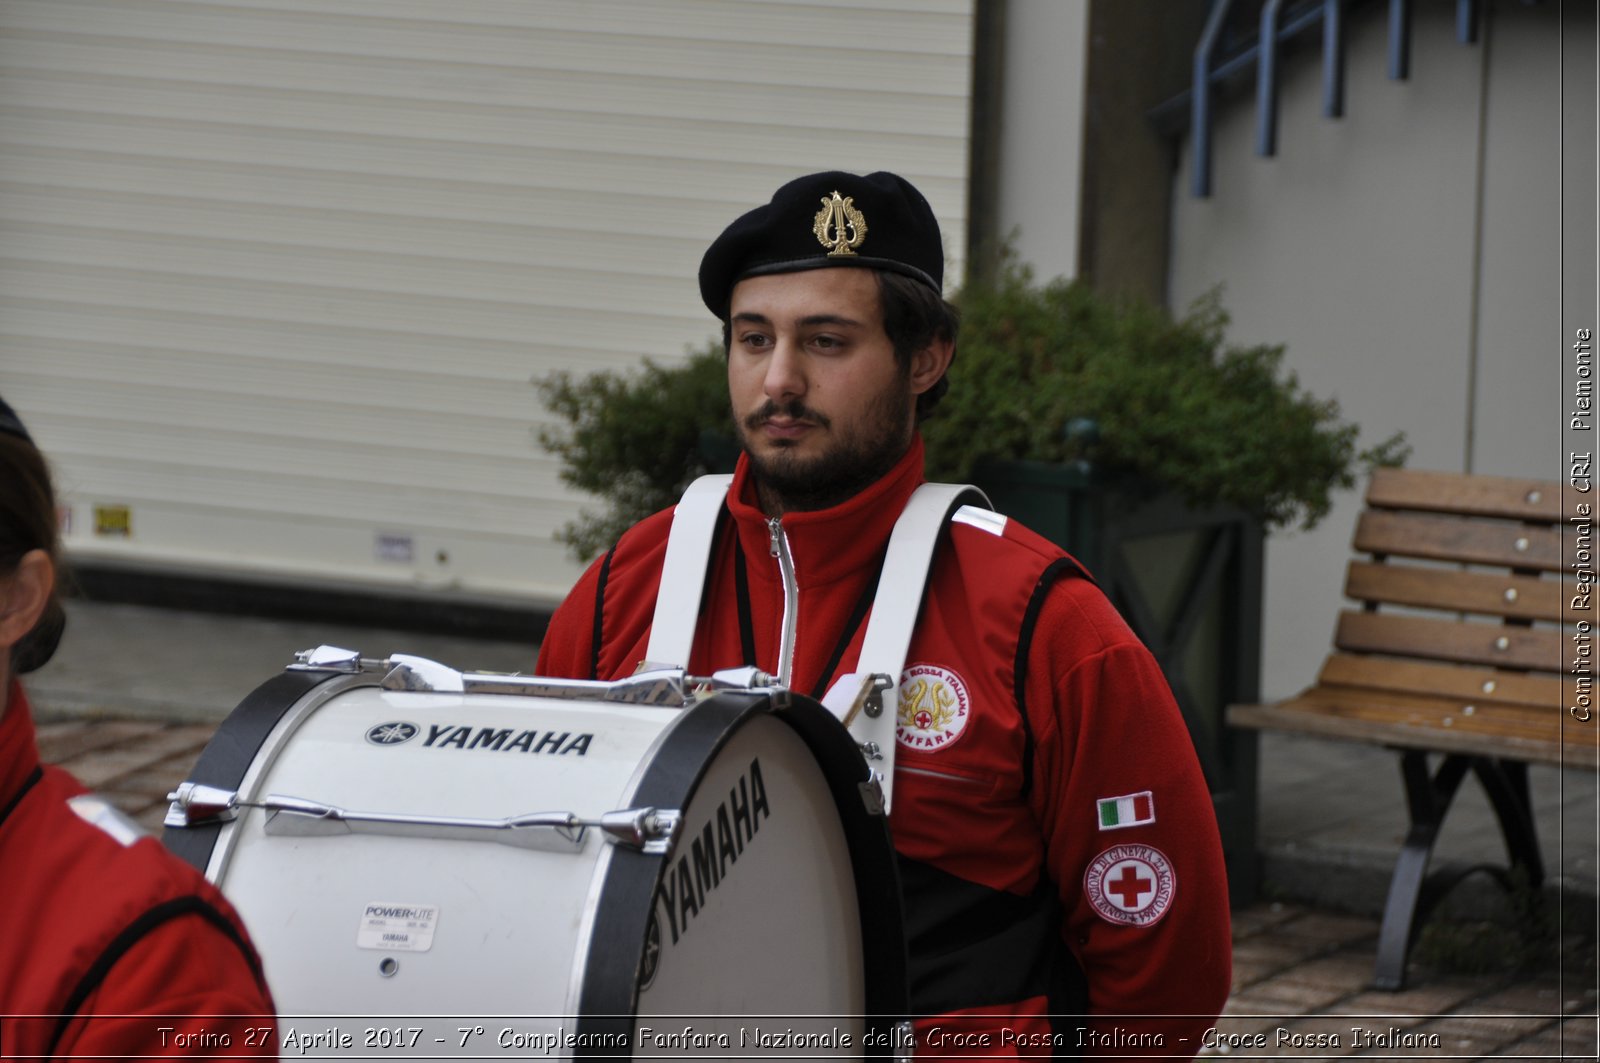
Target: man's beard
<point>791,483</point>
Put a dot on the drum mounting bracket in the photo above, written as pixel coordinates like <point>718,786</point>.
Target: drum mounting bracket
<point>872,796</point>
<point>650,830</point>
<point>654,684</point>
<point>195,804</point>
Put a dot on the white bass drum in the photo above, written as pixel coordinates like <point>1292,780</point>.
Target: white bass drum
<point>483,869</point>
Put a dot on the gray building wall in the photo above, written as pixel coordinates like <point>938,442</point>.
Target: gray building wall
<point>1040,143</point>
<point>1410,255</point>
<point>1068,168</point>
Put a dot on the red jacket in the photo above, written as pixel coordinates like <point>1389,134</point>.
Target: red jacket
<point>114,946</point>
<point>1058,849</point>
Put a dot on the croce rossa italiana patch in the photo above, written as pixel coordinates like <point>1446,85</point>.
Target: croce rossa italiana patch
<point>934,708</point>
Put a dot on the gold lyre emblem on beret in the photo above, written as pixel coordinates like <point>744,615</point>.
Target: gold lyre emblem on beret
<point>839,226</point>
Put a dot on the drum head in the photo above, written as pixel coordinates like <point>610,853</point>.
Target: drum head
<point>774,923</point>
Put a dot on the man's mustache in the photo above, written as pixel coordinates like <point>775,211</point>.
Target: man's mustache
<point>793,411</point>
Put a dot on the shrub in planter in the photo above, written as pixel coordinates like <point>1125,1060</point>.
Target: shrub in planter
<point>1174,405</point>
<point>637,439</point>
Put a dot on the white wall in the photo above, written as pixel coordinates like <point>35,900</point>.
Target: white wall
<point>1408,255</point>
<point>1515,425</point>
<point>1041,142</point>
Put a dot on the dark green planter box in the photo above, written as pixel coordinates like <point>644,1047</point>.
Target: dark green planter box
<point>1189,584</point>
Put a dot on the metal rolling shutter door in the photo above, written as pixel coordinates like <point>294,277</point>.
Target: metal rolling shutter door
<point>276,276</point>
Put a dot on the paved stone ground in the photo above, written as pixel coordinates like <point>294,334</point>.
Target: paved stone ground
<point>1333,816</point>
<point>1301,975</point>
<point>1302,989</point>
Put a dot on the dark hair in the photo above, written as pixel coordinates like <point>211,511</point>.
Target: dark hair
<point>28,522</point>
<point>914,315</point>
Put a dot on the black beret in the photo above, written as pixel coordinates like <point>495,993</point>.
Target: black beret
<point>11,423</point>
<point>879,221</point>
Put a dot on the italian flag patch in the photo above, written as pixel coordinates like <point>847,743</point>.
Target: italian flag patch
<point>1131,811</point>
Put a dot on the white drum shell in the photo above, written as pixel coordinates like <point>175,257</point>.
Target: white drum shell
<point>507,916</point>
<point>771,937</point>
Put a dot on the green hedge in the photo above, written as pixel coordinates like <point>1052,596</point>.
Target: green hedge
<point>1172,403</point>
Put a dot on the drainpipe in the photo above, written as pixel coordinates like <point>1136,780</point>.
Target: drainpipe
<point>1200,98</point>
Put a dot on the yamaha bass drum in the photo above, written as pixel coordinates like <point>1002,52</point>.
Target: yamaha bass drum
<point>494,865</point>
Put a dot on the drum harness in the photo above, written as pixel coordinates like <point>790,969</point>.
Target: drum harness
<point>865,701</point>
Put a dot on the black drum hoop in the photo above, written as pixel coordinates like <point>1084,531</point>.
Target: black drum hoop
<point>235,746</point>
<point>608,997</point>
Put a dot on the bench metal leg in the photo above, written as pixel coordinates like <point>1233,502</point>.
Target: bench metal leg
<point>1506,783</point>
<point>1427,799</point>
<point>1412,891</point>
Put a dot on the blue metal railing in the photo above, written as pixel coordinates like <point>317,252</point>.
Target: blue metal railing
<point>1278,26</point>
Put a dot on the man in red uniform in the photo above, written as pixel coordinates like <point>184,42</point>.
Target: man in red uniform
<point>110,947</point>
<point>1059,857</point>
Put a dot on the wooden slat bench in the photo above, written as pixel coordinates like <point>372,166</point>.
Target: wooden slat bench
<point>1458,646</point>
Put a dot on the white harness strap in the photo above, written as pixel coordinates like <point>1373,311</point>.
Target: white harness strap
<point>895,607</point>
<point>683,572</point>
<point>895,610</point>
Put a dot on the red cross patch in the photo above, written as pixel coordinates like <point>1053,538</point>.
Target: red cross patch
<point>934,707</point>
<point>1130,884</point>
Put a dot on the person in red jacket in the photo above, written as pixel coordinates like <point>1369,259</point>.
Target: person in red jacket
<point>1059,855</point>
<point>109,945</point>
